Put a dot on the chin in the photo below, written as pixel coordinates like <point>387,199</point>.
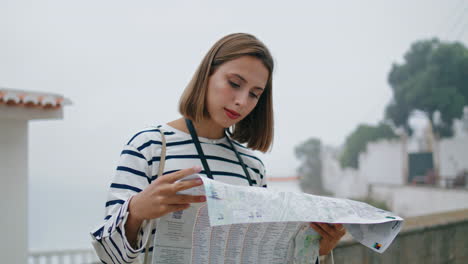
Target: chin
<point>227,123</point>
<point>233,123</point>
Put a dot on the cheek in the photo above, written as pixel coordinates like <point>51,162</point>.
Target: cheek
<point>252,107</point>
<point>226,93</point>
<point>218,94</point>
<point>222,92</point>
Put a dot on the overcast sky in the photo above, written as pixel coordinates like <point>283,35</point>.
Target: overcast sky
<point>124,65</point>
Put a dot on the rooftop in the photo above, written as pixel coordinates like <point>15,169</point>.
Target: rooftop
<point>31,99</point>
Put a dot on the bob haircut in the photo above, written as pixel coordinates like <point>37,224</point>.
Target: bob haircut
<point>256,129</point>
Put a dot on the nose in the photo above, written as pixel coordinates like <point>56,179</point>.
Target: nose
<point>241,98</point>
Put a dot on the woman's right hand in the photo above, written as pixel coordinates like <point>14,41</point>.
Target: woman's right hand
<point>161,197</point>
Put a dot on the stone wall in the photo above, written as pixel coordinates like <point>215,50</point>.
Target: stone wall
<point>429,239</point>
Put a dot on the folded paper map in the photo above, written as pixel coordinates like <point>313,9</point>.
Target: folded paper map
<point>243,224</point>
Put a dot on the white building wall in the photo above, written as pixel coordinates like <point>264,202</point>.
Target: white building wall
<point>408,201</point>
<point>331,172</point>
<point>383,162</point>
<point>344,183</point>
<point>13,190</point>
<point>351,185</point>
<point>382,176</point>
<point>453,156</point>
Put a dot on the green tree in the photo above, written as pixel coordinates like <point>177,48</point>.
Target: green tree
<point>357,141</point>
<point>433,78</point>
<point>310,170</point>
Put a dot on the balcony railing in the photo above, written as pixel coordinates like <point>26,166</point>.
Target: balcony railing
<point>72,256</point>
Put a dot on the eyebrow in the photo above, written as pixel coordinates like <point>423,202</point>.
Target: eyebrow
<point>242,78</point>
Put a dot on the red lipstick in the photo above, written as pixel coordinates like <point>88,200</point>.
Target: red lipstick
<point>231,114</point>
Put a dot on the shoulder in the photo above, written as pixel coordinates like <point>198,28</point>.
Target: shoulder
<point>252,161</point>
<point>247,153</point>
<point>148,137</point>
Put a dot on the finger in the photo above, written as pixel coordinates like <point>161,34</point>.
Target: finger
<point>319,230</point>
<point>172,177</point>
<point>327,229</point>
<point>185,199</point>
<point>171,189</point>
<point>340,228</point>
<point>185,185</point>
<point>175,207</point>
<point>331,229</point>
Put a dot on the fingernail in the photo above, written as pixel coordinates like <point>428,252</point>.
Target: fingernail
<point>199,181</point>
<point>197,168</point>
<point>202,199</point>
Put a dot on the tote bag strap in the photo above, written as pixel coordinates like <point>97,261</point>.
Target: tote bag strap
<point>162,161</point>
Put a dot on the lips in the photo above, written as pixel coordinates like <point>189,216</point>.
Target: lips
<point>231,114</point>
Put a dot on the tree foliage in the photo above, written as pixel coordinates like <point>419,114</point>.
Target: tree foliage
<point>433,78</point>
<point>357,141</point>
<point>310,170</point>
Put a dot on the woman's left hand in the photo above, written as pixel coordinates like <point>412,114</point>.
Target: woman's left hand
<point>331,234</point>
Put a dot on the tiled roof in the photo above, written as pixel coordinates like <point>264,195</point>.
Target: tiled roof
<point>19,98</point>
<point>283,179</point>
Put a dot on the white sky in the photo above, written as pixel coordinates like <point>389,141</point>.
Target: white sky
<point>124,65</point>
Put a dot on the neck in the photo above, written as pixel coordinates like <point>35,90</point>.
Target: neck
<point>205,128</point>
<point>208,129</point>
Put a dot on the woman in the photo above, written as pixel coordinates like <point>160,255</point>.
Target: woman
<point>232,88</point>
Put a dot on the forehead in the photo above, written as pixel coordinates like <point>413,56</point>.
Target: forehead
<point>250,68</point>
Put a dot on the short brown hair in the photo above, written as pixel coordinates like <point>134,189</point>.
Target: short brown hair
<point>256,129</point>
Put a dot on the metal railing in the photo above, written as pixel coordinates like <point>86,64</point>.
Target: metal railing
<point>70,256</point>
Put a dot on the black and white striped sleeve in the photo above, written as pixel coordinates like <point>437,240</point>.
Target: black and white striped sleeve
<point>263,181</point>
<point>109,240</point>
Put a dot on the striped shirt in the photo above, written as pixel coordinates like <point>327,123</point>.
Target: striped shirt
<point>138,167</point>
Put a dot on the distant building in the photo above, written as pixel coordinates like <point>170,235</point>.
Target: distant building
<point>16,109</point>
<point>428,179</point>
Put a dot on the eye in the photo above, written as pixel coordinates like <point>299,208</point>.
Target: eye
<point>233,84</point>
<point>253,95</point>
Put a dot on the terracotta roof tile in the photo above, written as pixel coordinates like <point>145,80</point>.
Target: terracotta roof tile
<point>283,179</point>
<point>19,98</point>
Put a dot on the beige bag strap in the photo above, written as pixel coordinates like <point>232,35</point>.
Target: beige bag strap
<point>162,161</point>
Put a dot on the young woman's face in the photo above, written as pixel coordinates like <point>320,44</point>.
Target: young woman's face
<point>234,90</point>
